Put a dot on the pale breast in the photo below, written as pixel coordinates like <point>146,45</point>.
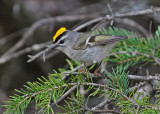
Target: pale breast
<point>90,55</point>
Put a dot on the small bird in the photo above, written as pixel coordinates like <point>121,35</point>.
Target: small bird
<point>86,47</point>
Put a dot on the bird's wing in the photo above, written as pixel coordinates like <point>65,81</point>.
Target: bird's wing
<point>101,39</point>
<point>81,41</point>
<point>81,46</point>
<point>106,39</point>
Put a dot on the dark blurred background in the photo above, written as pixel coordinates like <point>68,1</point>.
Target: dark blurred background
<point>16,16</point>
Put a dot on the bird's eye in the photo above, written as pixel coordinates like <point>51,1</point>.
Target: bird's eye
<point>62,41</point>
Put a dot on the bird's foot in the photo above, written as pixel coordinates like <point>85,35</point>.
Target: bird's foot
<point>96,73</point>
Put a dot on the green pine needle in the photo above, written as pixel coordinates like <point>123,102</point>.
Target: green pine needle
<point>47,90</point>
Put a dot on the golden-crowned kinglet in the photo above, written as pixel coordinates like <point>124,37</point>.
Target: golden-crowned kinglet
<point>86,47</point>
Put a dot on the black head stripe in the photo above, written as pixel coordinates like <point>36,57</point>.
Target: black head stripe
<point>59,37</point>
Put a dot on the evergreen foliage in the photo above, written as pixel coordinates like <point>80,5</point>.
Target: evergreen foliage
<point>46,91</point>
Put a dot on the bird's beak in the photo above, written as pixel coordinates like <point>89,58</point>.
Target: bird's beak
<point>54,46</point>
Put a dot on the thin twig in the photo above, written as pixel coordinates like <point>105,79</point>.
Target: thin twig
<point>86,108</point>
<point>147,78</point>
<point>132,77</point>
<point>50,99</point>
<point>143,92</point>
<point>134,24</point>
<point>101,104</point>
<point>111,17</point>
<point>150,28</point>
<point>73,70</point>
<point>110,9</point>
<point>41,22</point>
<point>102,111</point>
<point>51,54</point>
<point>137,86</point>
<point>35,47</point>
<point>157,60</point>
<point>102,86</point>
<point>38,54</point>
<point>64,95</point>
<point>9,37</point>
<point>89,23</point>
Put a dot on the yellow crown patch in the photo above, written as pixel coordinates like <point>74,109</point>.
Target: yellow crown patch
<point>59,32</point>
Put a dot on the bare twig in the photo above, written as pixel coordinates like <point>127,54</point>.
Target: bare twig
<point>84,73</point>
<point>102,86</point>
<point>157,60</point>
<point>9,37</point>
<point>147,78</point>
<point>111,17</point>
<point>137,13</point>
<point>35,47</point>
<point>132,77</point>
<point>41,22</point>
<point>102,111</point>
<point>131,52</point>
<point>64,95</point>
<point>73,70</point>
<point>50,99</point>
<point>38,54</point>
<point>51,54</point>
<point>70,18</point>
<point>101,104</point>
<point>150,28</point>
<point>144,91</point>
<point>137,86</point>
<point>88,23</point>
<point>110,9</point>
<point>86,108</point>
<point>134,24</point>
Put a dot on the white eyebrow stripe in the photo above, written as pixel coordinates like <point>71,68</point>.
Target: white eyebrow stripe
<point>88,40</point>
